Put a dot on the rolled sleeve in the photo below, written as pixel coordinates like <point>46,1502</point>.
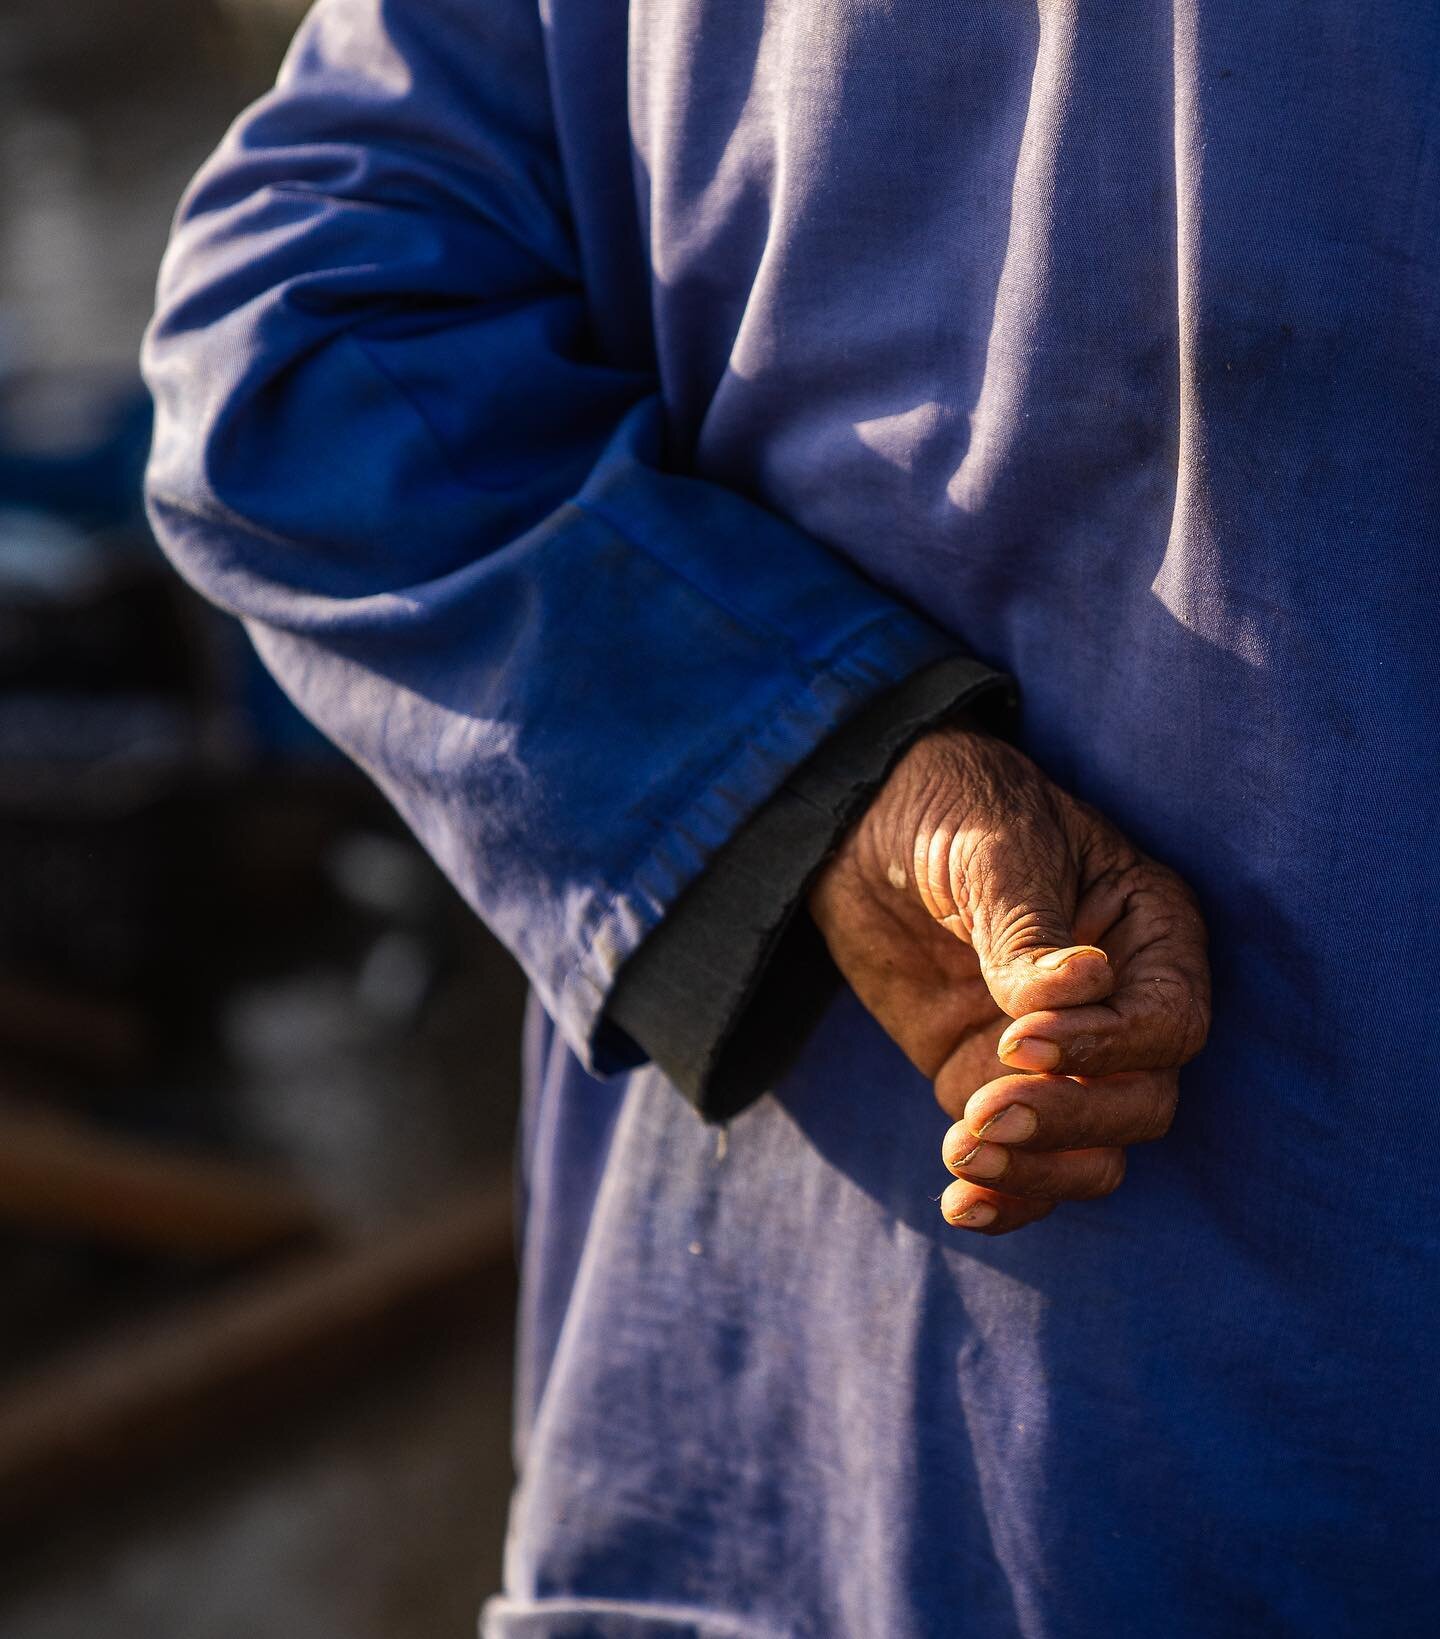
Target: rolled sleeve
<point>725,991</point>
<point>386,442</point>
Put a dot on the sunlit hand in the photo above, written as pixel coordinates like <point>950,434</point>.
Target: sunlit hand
<point>974,893</point>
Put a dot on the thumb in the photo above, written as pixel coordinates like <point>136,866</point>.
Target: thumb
<point>1021,908</point>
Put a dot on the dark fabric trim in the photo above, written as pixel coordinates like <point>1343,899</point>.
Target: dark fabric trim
<point>723,994</point>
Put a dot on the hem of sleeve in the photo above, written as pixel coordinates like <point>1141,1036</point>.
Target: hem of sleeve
<point>723,995</point>
<point>880,656</point>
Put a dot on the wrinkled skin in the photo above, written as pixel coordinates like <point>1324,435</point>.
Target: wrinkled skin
<point>993,924</point>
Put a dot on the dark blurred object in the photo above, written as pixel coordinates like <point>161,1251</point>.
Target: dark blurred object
<point>250,1040</point>
<point>102,722</point>
<point>60,1176</point>
<point>175,832</point>
<point>108,48</point>
<point>163,808</point>
<point>116,1409</point>
<point>96,486</point>
<point>193,877</point>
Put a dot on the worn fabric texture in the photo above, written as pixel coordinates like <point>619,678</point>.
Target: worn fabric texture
<point>724,993</point>
<point>589,408</point>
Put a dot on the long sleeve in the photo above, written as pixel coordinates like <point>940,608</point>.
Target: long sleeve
<point>386,442</point>
<point>723,994</point>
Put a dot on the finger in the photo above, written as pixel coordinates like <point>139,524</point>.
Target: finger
<point>969,1064</point>
<point>1157,1025</point>
<point>1159,1012</point>
<point>1058,1113</point>
<point>1052,1175</point>
<point>1007,894</point>
<point>969,1206</point>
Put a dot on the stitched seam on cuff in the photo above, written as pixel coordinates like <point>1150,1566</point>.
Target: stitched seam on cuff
<point>832,667</point>
<point>638,903</point>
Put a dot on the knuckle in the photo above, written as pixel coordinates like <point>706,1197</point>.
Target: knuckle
<point>1014,929</point>
<point>1105,1178</point>
<point>1174,895</point>
<point>1196,1029</point>
<point>932,874</point>
<point>1114,1173</point>
<point>1119,874</point>
<point>1014,879</point>
<point>1042,1177</point>
<point>1165,1020</point>
<point>1164,1096</point>
<point>1185,1020</point>
<point>1145,888</point>
<point>1192,917</point>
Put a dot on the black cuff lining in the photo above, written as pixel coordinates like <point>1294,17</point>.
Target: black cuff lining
<point>724,993</point>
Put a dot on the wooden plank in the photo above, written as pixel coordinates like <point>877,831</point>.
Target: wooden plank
<point>68,1027</point>
<point>204,1374</point>
<point>59,1175</point>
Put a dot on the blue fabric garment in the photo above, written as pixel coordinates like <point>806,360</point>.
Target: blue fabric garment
<point>385,438</point>
<point>588,408</point>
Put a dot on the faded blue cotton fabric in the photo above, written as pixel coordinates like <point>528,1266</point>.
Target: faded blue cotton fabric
<point>587,411</point>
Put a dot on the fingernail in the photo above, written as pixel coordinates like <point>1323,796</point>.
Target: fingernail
<point>1053,960</point>
<point>985,1161</point>
<point>1031,1053</point>
<point>1014,1124</point>
<point>975,1217</point>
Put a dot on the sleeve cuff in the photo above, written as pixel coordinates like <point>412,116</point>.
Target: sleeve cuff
<point>723,993</point>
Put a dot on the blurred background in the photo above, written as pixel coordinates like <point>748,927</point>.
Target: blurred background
<point>258,1065</point>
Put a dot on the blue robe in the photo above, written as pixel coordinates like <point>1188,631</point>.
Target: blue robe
<point>588,405</point>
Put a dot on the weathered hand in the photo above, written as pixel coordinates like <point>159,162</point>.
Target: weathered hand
<point>973,893</point>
